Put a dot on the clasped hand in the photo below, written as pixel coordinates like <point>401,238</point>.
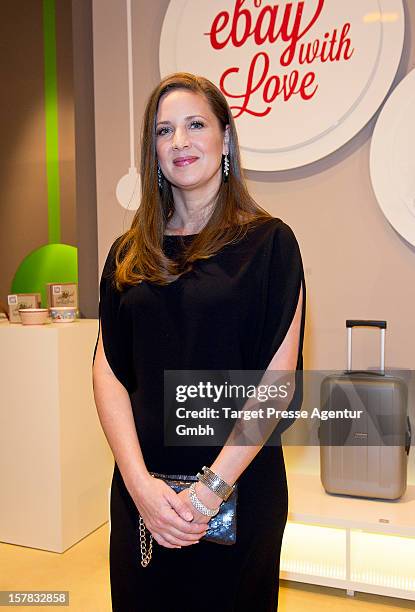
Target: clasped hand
<point>170,517</point>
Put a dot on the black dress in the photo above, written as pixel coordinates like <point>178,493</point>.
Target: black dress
<point>231,311</point>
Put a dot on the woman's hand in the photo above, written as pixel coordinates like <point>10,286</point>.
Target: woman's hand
<point>164,513</point>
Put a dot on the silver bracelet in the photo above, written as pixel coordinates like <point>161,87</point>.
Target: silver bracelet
<point>215,483</point>
<point>199,505</point>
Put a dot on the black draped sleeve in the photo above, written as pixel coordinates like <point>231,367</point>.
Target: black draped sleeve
<point>284,278</point>
<point>116,337</point>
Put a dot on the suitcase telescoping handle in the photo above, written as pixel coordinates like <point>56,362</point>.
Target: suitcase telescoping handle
<point>350,323</point>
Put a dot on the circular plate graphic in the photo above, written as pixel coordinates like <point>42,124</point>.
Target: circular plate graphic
<point>301,78</point>
<point>392,160</point>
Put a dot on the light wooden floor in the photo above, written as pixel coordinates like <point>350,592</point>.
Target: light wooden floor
<point>83,571</point>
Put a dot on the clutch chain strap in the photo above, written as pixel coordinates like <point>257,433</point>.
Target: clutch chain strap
<point>145,554</point>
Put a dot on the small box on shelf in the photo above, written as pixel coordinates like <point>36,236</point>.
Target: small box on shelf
<point>21,300</point>
<point>62,294</point>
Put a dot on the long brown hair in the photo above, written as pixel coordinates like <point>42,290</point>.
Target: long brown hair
<point>139,255</point>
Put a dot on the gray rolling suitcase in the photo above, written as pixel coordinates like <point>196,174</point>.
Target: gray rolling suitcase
<point>367,456</point>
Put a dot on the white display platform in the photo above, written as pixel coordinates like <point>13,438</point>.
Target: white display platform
<point>55,462</point>
<point>352,543</point>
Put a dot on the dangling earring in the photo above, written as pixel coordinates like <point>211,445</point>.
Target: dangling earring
<point>159,177</point>
<point>225,159</point>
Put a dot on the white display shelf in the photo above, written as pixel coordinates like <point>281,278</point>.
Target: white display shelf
<point>356,544</point>
<point>56,464</point>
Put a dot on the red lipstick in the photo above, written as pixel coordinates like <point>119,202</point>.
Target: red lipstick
<point>184,161</point>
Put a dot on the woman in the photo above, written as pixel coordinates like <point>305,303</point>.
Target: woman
<point>205,279</point>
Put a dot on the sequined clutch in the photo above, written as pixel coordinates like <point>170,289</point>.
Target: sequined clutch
<point>221,527</point>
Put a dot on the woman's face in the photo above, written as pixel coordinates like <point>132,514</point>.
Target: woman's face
<point>189,141</point>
